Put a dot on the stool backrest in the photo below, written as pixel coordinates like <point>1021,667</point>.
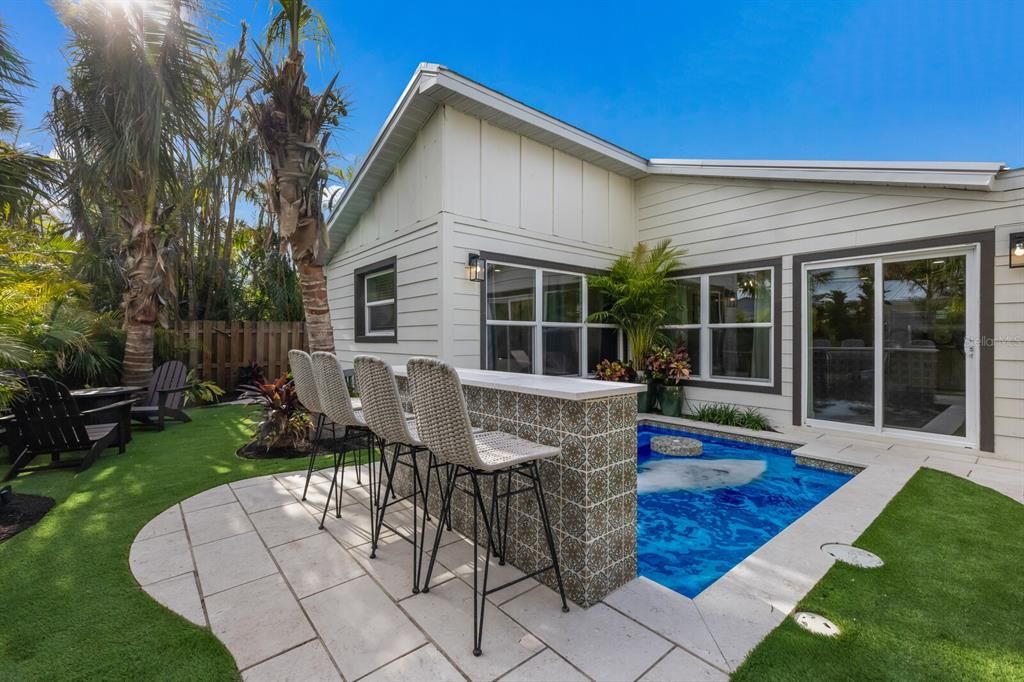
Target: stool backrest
<point>335,401</point>
<point>302,377</point>
<point>442,420</point>
<point>382,405</point>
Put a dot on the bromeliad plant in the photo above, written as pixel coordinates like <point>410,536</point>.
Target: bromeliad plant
<point>285,422</point>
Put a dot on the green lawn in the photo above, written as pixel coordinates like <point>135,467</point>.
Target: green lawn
<point>948,604</point>
<point>69,607</point>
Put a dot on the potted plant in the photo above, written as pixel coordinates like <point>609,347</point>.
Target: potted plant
<point>675,371</point>
<point>637,296</point>
<point>655,367</point>
<point>285,423</point>
<point>615,370</point>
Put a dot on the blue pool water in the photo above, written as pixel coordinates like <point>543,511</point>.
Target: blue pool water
<point>697,517</point>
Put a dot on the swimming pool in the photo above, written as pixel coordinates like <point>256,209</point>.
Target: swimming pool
<point>697,517</point>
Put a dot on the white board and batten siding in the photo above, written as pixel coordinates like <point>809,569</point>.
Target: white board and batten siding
<point>403,221</point>
<point>719,222</point>
<point>508,194</point>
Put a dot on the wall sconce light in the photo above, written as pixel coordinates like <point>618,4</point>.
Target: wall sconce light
<point>476,268</point>
<point>1017,250</point>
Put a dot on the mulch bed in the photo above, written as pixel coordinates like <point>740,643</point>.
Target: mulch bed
<point>22,512</point>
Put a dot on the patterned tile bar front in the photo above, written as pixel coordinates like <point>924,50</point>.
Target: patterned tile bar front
<point>590,488</point>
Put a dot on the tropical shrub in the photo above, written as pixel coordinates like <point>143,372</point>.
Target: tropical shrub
<point>285,421</point>
<point>613,370</point>
<point>671,367</point>
<point>640,296</point>
<point>730,415</point>
<point>199,392</point>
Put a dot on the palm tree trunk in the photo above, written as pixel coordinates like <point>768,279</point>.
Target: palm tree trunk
<point>319,332</point>
<point>140,305</point>
<point>138,353</point>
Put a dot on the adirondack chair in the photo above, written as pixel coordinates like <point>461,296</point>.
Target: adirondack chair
<point>164,396</point>
<point>49,423</point>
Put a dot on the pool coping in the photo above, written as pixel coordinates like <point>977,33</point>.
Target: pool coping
<point>757,594</point>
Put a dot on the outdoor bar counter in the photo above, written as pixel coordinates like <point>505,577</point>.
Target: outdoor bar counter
<point>590,487</point>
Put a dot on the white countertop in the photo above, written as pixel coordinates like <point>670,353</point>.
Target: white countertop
<point>566,388</point>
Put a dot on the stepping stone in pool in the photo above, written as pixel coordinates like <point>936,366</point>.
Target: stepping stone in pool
<point>676,446</point>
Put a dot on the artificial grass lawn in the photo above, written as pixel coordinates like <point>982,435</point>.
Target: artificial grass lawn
<point>69,606</point>
<point>947,605</point>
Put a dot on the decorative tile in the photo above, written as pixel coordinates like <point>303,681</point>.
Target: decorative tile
<point>550,411</point>
<point>574,455</point>
<point>573,420</point>
<point>595,417</point>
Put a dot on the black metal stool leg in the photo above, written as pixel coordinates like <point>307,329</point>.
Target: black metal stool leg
<point>480,595</point>
<point>313,452</point>
<point>538,490</point>
<point>446,501</point>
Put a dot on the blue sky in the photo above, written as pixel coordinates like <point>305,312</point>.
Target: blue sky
<point>834,79</point>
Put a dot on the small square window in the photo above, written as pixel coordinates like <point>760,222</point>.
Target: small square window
<point>376,303</point>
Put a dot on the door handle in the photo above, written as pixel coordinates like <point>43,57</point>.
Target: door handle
<point>969,346</point>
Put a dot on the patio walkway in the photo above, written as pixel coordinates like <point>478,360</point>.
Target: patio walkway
<point>292,602</point>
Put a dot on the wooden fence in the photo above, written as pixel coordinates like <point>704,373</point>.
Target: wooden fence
<point>221,351</point>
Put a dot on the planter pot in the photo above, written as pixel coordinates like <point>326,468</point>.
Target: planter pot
<point>671,399</point>
<point>643,401</point>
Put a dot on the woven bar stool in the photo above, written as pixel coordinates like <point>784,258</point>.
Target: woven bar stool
<point>382,410</point>
<point>443,425</point>
<point>305,385</point>
<point>337,406</point>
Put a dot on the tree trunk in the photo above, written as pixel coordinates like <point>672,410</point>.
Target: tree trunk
<point>138,353</point>
<point>141,304</point>
<point>319,332</point>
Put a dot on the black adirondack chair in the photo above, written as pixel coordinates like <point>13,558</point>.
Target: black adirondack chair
<point>164,396</point>
<point>48,422</point>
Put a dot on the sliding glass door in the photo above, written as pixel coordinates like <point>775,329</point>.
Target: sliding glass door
<point>889,344</point>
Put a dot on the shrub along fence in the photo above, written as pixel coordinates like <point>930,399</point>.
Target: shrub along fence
<point>222,351</point>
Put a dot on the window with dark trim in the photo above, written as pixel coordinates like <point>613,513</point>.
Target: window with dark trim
<point>534,319</point>
<point>376,309</point>
<point>729,318</point>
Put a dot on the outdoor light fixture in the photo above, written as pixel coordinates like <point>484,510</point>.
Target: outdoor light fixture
<point>476,268</point>
<point>1017,250</point>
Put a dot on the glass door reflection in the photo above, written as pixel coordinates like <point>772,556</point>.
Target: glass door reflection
<point>841,357</point>
<point>924,329</point>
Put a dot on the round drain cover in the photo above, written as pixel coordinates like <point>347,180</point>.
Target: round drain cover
<point>819,625</point>
<point>855,556</point>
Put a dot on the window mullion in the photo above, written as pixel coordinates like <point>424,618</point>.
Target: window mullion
<point>705,330</point>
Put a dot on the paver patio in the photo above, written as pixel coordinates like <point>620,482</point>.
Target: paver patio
<point>291,601</point>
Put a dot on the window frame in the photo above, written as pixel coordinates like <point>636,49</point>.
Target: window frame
<point>705,327</point>
<point>362,307</point>
<point>538,323</point>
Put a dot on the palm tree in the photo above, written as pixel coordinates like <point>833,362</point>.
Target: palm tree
<point>294,125</point>
<point>130,111</point>
<point>640,296</point>
<point>23,175</point>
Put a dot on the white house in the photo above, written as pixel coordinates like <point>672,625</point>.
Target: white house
<point>780,308</point>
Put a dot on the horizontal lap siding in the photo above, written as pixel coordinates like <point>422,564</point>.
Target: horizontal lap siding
<point>1008,346</point>
<point>722,222</point>
<point>403,221</point>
